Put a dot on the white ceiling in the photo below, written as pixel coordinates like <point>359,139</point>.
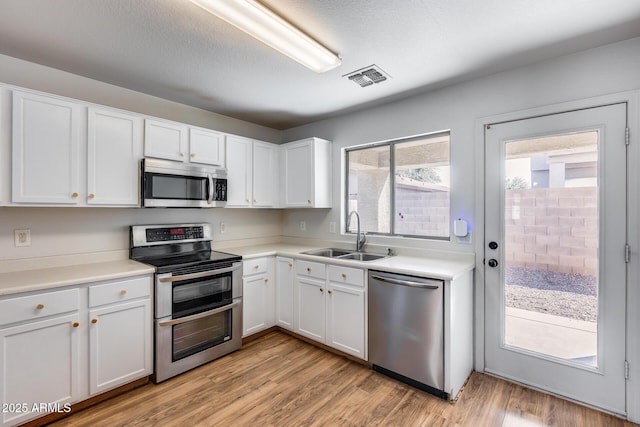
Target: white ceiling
<point>175,50</point>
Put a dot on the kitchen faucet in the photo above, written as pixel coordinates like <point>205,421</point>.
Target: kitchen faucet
<point>360,238</point>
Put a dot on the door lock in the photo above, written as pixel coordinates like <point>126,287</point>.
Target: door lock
<point>493,263</point>
<point>493,245</point>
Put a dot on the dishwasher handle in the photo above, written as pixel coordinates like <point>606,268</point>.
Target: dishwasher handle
<point>404,282</point>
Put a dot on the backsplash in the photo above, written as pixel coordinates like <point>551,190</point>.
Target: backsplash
<point>65,231</point>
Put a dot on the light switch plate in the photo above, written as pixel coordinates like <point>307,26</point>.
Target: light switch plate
<point>303,226</point>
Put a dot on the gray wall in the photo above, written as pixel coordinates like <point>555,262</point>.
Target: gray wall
<point>610,69</point>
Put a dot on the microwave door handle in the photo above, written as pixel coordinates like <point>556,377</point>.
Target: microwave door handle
<point>211,192</point>
<point>199,315</point>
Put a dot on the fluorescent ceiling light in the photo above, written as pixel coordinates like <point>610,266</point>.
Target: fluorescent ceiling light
<point>261,23</point>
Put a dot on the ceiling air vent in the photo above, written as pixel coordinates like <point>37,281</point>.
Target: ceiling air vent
<point>367,76</point>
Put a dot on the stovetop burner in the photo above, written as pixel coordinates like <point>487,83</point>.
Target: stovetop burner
<point>171,263</point>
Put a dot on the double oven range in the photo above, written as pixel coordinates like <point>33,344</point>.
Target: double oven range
<point>198,296</point>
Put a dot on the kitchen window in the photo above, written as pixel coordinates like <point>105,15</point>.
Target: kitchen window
<point>401,187</point>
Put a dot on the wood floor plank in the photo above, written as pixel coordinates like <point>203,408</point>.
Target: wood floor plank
<point>278,380</point>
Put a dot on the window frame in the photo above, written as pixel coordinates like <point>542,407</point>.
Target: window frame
<point>391,143</point>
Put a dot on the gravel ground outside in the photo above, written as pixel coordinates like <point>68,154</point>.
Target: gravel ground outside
<point>573,296</point>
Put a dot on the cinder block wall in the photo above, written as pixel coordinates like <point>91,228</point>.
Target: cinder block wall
<point>553,229</point>
<point>421,212</point>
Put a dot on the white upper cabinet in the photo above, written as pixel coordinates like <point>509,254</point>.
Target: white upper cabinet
<point>239,171</point>
<point>265,174</point>
<point>307,173</point>
<point>113,153</point>
<point>252,168</point>
<point>206,147</point>
<point>176,141</point>
<point>166,140</point>
<point>46,149</point>
<point>65,153</point>
<point>5,145</point>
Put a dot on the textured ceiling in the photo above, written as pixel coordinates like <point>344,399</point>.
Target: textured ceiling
<point>175,50</point>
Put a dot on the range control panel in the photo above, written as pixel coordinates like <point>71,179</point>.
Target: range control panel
<point>146,235</point>
<point>174,233</point>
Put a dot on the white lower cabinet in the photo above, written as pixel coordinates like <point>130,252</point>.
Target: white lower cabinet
<point>258,295</point>
<point>285,276</point>
<point>346,310</point>
<point>120,348</point>
<point>52,354</point>
<point>40,365</point>
<point>311,308</point>
<point>331,306</point>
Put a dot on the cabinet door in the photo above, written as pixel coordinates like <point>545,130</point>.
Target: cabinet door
<point>39,363</point>
<point>5,145</point>
<point>265,174</point>
<point>345,319</point>
<point>46,149</point>
<point>206,147</point>
<point>239,171</point>
<point>311,308</point>
<point>255,302</point>
<point>298,175</point>
<point>284,293</point>
<point>165,140</point>
<point>113,153</point>
<point>119,344</point>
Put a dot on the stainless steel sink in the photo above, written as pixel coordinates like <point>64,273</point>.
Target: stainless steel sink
<point>328,252</point>
<point>362,256</point>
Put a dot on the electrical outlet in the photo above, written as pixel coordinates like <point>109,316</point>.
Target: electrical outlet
<point>303,226</point>
<point>22,237</point>
<point>223,227</point>
<point>332,227</point>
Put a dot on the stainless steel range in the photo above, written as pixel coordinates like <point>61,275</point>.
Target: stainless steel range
<point>198,296</point>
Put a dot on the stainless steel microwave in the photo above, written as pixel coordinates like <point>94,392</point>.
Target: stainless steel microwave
<point>168,184</point>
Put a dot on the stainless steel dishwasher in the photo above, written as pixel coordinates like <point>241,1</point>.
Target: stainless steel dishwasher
<point>406,329</point>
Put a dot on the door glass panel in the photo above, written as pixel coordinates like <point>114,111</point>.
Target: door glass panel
<point>198,335</point>
<point>551,246</point>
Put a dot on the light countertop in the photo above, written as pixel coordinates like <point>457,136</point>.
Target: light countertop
<point>445,266</point>
<point>55,277</point>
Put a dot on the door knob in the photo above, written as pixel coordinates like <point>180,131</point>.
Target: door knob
<point>493,263</point>
<point>493,245</point>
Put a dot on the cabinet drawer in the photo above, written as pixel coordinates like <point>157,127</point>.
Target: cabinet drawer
<point>37,306</point>
<point>348,275</point>
<point>254,266</point>
<point>310,269</point>
<point>122,290</point>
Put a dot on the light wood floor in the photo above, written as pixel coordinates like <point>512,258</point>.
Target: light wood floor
<point>278,380</point>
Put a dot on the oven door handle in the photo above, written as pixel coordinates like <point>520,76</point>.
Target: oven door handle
<point>200,315</point>
<point>198,275</point>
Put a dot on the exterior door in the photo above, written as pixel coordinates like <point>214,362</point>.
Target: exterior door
<point>555,269</point>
